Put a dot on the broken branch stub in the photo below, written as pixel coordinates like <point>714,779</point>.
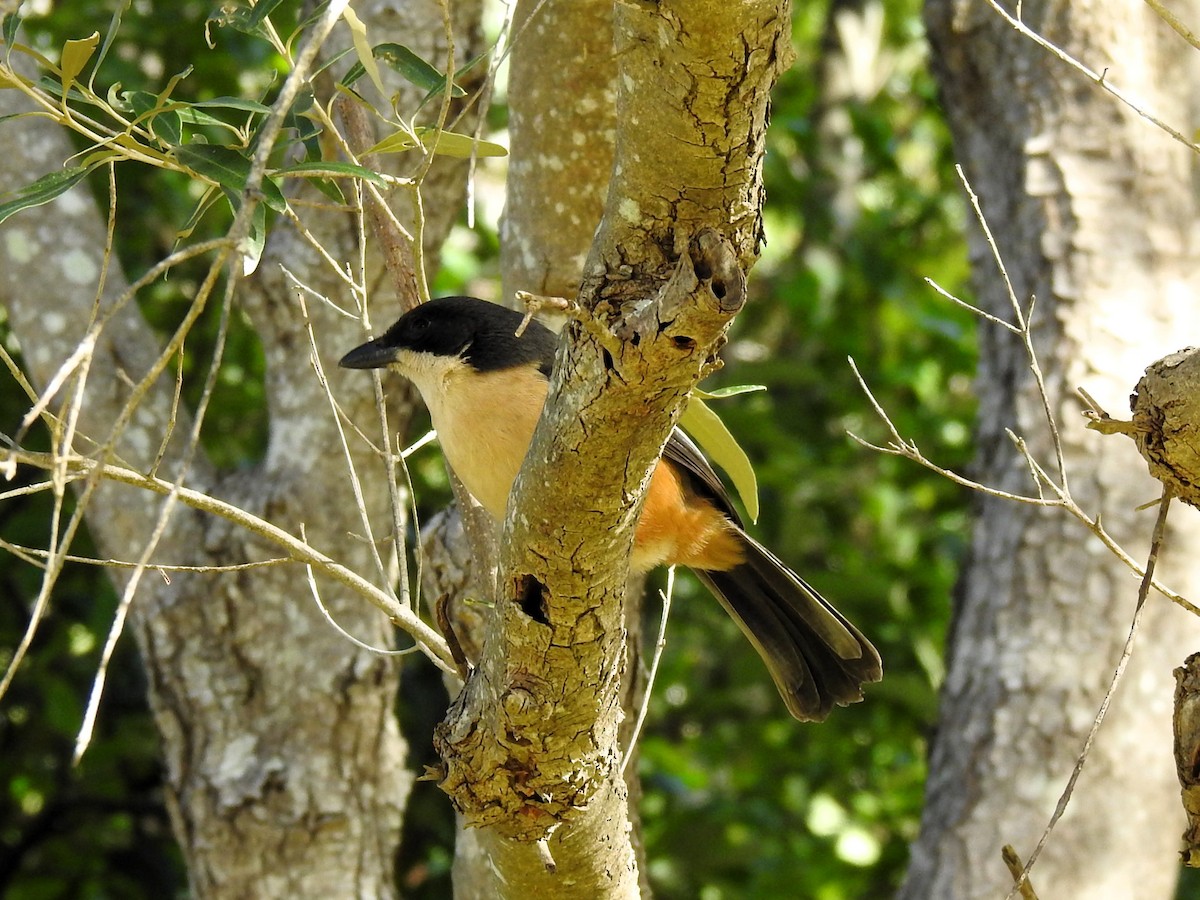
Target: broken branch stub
<point>1166,418</point>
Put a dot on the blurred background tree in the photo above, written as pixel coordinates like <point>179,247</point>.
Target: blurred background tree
<point>862,205</point>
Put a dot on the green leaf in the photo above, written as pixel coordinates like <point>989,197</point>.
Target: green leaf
<point>223,165</point>
<point>413,69</point>
<point>165,124</point>
<point>331,170</point>
<point>232,103</point>
<point>410,66</point>
<point>75,56</point>
<point>711,434</point>
<point>262,9</point>
<point>731,391</point>
<point>43,190</point>
<point>12,22</point>
<point>326,63</point>
<point>228,168</point>
<point>244,18</point>
<point>114,25</point>
<point>256,240</point>
<point>54,88</point>
<point>330,189</point>
<point>168,128</point>
<point>352,75</point>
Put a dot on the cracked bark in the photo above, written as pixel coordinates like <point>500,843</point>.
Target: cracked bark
<point>1094,213</point>
<point>531,747</point>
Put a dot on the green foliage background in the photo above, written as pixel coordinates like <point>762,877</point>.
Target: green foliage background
<point>862,205</point>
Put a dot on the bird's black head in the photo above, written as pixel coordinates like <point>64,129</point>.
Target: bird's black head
<point>481,334</point>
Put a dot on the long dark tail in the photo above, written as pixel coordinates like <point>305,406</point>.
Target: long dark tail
<point>815,656</point>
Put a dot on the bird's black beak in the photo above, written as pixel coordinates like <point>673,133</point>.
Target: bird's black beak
<point>371,355</point>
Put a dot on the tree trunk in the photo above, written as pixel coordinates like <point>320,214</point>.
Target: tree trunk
<point>532,747</point>
<point>285,768</point>
<point>1094,211</point>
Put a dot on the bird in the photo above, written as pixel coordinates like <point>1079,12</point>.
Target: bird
<point>485,381</point>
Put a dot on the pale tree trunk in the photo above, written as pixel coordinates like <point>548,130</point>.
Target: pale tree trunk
<point>1094,211</point>
<point>560,159</point>
<point>532,747</point>
<point>285,769</point>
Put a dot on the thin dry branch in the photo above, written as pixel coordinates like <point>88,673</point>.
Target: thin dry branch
<point>660,644</point>
<point>430,641</point>
<point>1174,21</point>
<point>35,556</point>
<point>1100,78</point>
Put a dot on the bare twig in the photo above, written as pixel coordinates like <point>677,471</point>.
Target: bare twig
<point>1175,22</point>
<point>79,467</point>
<point>1100,78</point>
<point>659,645</point>
<point>362,645</point>
<point>1024,323</point>
<point>898,446</point>
<point>35,556</point>
<point>986,316</point>
<point>1017,869</point>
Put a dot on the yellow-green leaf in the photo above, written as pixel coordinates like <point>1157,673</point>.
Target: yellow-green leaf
<point>461,146</point>
<point>362,47</point>
<point>448,143</point>
<point>397,142</point>
<point>75,56</point>
<point>711,434</point>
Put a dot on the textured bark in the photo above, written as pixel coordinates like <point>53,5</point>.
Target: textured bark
<point>285,769</point>
<point>1094,211</point>
<point>531,747</point>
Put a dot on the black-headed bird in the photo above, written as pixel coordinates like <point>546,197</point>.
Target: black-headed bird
<point>485,387</point>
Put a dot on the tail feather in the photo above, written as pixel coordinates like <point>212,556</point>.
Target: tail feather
<point>816,657</point>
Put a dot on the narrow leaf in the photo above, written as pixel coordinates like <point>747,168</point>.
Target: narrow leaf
<point>232,103</point>
<point>732,391</point>
<point>413,69</point>
<point>256,240</point>
<point>43,190</point>
<point>362,47</point>
<point>262,9</point>
<point>226,167</point>
<point>331,170</point>
<point>246,19</point>
<point>12,22</point>
<point>460,146</point>
<point>114,25</point>
<point>168,128</point>
<point>711,434</point>
<point>229,169</point>
<point>397,142</point>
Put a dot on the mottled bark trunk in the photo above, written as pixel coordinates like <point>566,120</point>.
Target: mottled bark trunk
<point>1094,211</point>
<point>285,768</point>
